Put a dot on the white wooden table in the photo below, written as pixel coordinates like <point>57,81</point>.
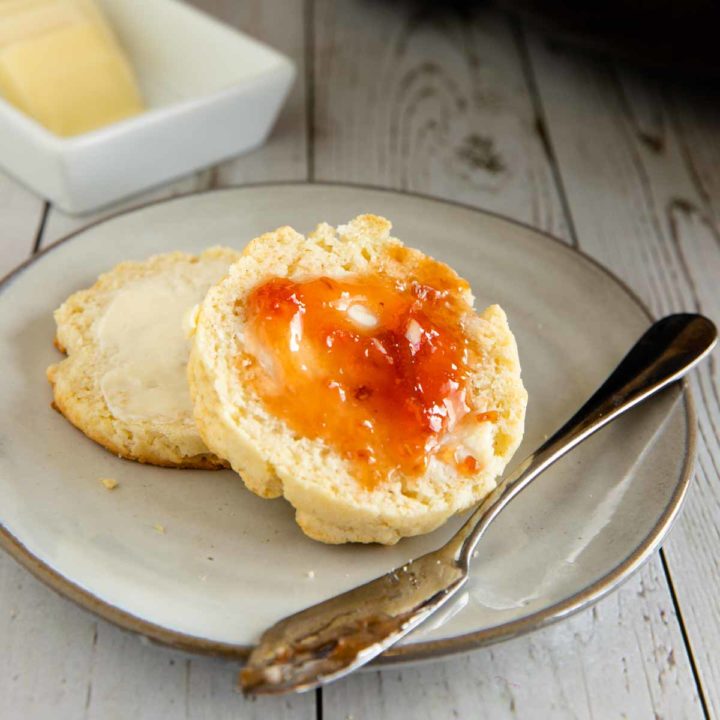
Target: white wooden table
<point>480,109</point>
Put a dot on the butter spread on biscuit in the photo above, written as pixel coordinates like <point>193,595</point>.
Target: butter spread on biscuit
<point>143,337</point>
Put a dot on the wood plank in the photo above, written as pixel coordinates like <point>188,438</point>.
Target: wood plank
<point>652,657</point>
<point>693,111</point>
<point>283,157</point>
<point>59,223</point>
<point>645,211</point>
<point>616,660</point>
<point>44,662</point>
<point>441,104</point>
<point>134,679</point>
<point>281,24</point>
<point>58,659</point>
<point>694,114</point>
<point>20,216</point>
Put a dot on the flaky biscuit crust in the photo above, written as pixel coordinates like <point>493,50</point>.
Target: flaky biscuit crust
<point>76,379</point>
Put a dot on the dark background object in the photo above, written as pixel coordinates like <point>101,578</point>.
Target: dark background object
<point>676,35</point>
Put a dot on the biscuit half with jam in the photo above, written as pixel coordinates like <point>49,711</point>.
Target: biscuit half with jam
<point>351,375</point>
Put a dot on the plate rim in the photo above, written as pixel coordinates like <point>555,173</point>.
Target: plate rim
<point>423,650</point>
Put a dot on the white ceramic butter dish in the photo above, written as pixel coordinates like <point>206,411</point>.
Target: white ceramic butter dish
<point>211,93</point>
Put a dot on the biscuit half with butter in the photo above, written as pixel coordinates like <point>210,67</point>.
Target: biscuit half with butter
<point>351,375</point>
<point>124,381</point>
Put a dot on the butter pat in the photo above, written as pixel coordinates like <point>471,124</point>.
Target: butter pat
<point>60,64</point>
<point>143,336</point>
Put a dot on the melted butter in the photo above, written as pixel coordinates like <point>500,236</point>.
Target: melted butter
<point>375,366</point>
<point>142,335</point>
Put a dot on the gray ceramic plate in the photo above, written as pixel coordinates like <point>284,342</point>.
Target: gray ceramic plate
<point>230,563</point>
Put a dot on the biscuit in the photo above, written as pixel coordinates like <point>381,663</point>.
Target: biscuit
<point>123,382</point>
<point>274,459</point>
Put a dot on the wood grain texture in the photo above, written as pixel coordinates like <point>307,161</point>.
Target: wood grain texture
<point>59,224</point>
<point>445,102</point>
<point>693,112</point>
<point>281,24</point>
<point>21,213</point>
<point>44,663</point>
<point>283,157</point>
<point>416,97</point>
<point>401,118</point>
<point>616,660</point>
<point>644,198</point>
<point>57,660</point>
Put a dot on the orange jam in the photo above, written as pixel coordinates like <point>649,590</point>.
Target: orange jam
<point>375,366</point>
